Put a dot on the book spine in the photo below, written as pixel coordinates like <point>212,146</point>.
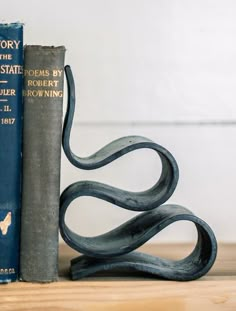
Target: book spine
<point>43,99</point>
<point>11,77</point>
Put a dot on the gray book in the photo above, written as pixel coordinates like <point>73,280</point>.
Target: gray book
<point>43,99</point>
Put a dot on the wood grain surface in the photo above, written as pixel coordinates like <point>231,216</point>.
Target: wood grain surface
<point>215,291</point>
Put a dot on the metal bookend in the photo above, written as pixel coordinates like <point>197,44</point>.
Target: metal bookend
<point>114,250</point>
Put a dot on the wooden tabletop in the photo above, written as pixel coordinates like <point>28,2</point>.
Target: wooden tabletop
<point>215,291</point>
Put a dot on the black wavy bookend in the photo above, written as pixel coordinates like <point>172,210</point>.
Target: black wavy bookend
<point>114,250</point>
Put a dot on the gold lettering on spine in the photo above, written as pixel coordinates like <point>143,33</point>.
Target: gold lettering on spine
<point>5,57</point>
<point>42,93</point>
<point>6,93</point>
<point>11,69</point>
<point>9,44</point>
<point>47,83</point>
<point>7,271</point>
<point>42,87</point>
<point>36,73</point>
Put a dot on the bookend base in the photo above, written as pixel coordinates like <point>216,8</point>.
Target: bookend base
<point>190,268</point>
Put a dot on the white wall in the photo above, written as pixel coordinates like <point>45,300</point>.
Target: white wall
<point>161,69</point>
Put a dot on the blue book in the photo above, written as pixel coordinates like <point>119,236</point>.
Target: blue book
<point>11,78</point>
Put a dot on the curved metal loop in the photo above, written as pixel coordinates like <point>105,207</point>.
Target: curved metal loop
<point>153,197</point>
<point>136,232</point>
<point>111,250</point>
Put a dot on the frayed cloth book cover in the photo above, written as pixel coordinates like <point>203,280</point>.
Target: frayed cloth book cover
<point>11,77</point>
<point>43,98</point>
